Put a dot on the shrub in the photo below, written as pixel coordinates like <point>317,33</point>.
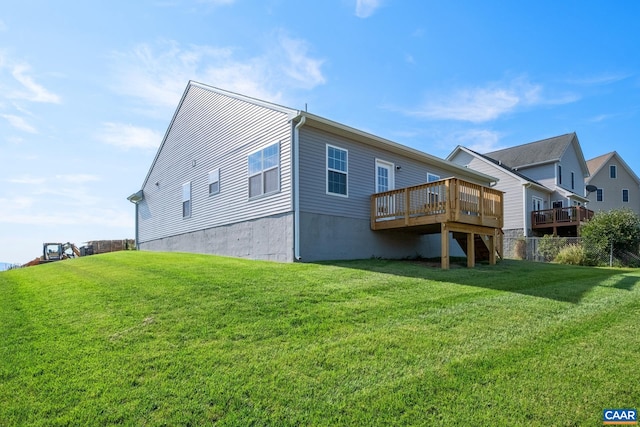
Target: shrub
<point>618,228</point>
<point>550,246</point>
<point>573,254</point>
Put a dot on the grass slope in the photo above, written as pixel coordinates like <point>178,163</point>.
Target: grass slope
<point>141,338</point>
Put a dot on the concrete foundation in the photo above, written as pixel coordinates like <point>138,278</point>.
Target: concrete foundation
<point>327,237</point>
<point>269,238</point>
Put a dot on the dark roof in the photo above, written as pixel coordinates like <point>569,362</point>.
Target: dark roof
<point>534,153</point>
<point>505,167</point>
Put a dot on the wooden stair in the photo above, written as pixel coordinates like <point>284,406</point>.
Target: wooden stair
<point>481,248</point>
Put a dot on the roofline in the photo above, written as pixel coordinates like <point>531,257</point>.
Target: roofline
<point>295,115</point>
<point>289,111</point>
<point>482,158</point>
<point>608,157</point>
<point>394,146</point>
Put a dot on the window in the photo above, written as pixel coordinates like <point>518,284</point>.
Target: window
<point>214,181</point>
<point>385,179</point>
<point>264,171</point>
<point>337,160</point>
<point>599,195</point>
<point>573,180</point>
<point>537,203</point>
<point>186,199</point>
<point>559,175</point>
<point>625,195</point>
<point>613,171</point>
<point>432,177</point>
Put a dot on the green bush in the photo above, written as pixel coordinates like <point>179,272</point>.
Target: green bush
<point>619,228</point>
<point>550,246</point>
<point>573,254</point>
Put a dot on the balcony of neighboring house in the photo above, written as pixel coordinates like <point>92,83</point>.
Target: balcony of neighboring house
<point>472,212</point>
<point>560,221</point>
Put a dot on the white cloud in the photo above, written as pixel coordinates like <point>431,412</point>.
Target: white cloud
<point>305,70</point>
<point>77,177</point>
<point>35,92</point>
<point>482,104</point>
<point>480,140</point>
<point>366,8</point>
<point>129,136</point>
<point>157,74</point>
<point>19,123</point>
<point>27,179</point>
<point>21,211</point>
<point>599,79</point>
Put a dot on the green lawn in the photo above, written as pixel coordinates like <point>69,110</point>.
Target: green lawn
<point>140,338</point>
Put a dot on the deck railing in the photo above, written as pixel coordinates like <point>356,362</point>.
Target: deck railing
<point>450,199</point>
<point>573,215</point>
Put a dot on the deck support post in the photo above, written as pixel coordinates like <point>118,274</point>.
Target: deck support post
<point>492,249</point>
<point>471,250</point>
<point>444,256</point>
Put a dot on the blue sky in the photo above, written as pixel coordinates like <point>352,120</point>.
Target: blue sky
<point>87,88</point>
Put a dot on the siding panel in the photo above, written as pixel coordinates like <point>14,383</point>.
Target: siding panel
<point>361,174</point>
<point>214,131</point>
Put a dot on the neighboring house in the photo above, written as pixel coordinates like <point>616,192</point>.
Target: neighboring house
<point>617,185</point>
<point>243,177</point>
<point>543,184</point>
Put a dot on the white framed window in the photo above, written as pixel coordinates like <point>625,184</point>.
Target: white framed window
<point>573,180</point>
<point>186,200</point>
<point>264,171</point>
<point>625,195</point>
<point>537,203</point>
<point>431,177</point>
<point>599,195</point>
<point>385,176</point>
<point>613,171</point>
<point>559,175</point>
<point>337,171</point>
<point>214,181</point>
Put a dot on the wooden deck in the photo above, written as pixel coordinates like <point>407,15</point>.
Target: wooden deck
<point>447,205</point>
<point>558,218</point>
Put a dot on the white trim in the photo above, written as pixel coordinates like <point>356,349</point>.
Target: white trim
<point>392,174</point>
<point>346,172</point>
<point>263,171</point>
<point>186,197</point>
<point>628,195</point>
<point>429,174</point>
<point>214,177</point>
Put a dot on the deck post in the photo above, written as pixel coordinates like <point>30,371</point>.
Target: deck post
<point>492,249</point>
<point>407,205</point>
<point>471,250</point>
<point>373,212</point>
<point>444,255</point>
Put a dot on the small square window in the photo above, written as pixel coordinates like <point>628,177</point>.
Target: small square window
<point>432,177</point>
<point>186,199</point>
<point>214,181</point>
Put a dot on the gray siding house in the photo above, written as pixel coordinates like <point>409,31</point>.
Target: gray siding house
<point>242,177</point>
<point>543,184</point>
<point>617,184</point>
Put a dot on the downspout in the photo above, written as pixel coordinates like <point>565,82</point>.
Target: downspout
<point>524,209</point>
<point>296,189</point>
